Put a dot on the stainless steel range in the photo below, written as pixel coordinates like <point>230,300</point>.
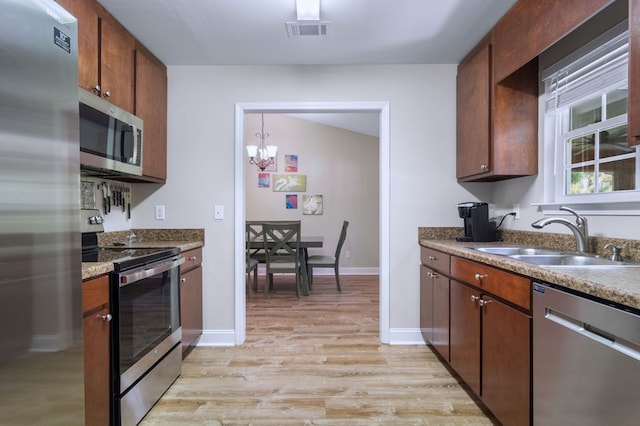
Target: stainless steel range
<point>146,354</point>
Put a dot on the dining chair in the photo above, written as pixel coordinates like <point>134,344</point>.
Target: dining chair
<point>324,261</point>
<point>251,265</point>
<point>255,233</point>
<point>282,251</point>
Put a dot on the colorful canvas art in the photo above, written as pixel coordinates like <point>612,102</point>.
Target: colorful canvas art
<point>264,180</point>
<point>290,163</point>
<point>292,201</point>
<point>312,204</point>
<point>289,183</point>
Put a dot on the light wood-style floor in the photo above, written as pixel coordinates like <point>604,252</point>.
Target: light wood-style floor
<point>316,360</point>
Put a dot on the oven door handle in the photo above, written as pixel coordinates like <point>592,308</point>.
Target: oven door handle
<point>139,274</point>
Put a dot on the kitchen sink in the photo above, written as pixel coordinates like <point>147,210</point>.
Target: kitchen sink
<point>554,258</point>
<point>511,251</point>
<point>567,260</point>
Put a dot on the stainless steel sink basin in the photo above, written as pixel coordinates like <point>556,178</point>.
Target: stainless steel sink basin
<point>572,260</point>
<point>554,258</point>
<point>511,251</point>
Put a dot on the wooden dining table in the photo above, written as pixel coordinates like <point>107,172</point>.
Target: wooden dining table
<point>305,243</point>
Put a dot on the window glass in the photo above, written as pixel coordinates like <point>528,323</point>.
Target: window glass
<point>582,149</point>
<point>585,113</point>
<point>617,175</point>
<point>613,142</point>
<point>582,180</point>
<point>616,102</point>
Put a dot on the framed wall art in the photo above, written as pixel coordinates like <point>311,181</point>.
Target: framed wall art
<point>312,204</point>
<point>264,180</point>
<point>292,201</point>
<point>289,183</point>
<point>291,163</point>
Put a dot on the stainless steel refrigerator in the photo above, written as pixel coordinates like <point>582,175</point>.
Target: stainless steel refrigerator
<point>41,357</point>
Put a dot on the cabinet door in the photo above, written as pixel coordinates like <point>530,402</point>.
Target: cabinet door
<point>426,303</point>
<point>465,334</point>
<point>191,307</point>
<point>96,334</point>
<point>441,315</point>
<point>117,48</point>
<point>473,114</point>
<point>88,42</point>
<point>506,362</point>
<point>634,73</point>
<point>151,106</point>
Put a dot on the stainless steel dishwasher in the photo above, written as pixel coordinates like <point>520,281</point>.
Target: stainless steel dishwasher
<point>586,360</point>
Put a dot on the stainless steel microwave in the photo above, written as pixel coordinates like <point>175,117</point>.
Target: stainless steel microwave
<point>110,137</point>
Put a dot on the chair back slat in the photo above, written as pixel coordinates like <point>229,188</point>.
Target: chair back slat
<point>343,236</point>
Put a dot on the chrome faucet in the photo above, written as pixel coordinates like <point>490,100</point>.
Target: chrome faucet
<point>580,229</point>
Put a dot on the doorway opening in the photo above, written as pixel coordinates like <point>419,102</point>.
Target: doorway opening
<point>381,108</point>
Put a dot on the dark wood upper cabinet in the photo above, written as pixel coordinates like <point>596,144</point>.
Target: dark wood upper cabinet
<point>532,26</point>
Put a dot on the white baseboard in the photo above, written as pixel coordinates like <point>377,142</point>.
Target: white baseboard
<point>343,271</point>
<point>405,336</point>
<point>217,338</point>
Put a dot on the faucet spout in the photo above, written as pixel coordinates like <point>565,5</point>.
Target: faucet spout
<point>579,229</point>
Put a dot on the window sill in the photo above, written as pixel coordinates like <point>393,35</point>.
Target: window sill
<point>622,208</point>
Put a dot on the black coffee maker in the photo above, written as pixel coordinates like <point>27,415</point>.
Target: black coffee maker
<point>477,226</point>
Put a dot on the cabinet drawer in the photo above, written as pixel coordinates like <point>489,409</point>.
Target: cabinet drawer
<point>95,293</point>
<point>192,259</point>
<point>435,260</point>
<point>510,287</point>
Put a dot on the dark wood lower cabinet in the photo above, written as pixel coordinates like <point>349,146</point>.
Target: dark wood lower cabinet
<point>483,315</point>
<point>191,299</point>
<point>96,334</point>
<point>506,362</point>
<point>465,334</point>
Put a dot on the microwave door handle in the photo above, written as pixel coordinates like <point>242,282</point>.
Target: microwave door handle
<point>139,274</point>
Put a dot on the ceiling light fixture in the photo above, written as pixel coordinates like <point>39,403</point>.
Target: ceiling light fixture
<point>308,10</point>
<point>262,155</point>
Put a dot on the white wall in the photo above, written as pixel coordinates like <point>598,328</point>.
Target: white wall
<point>201,161</point>
<point>340,165</point>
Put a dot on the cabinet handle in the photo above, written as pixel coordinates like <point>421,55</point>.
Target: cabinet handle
<point>474,298</point>
<point>105,318</point>
<point>484,167</point>
<point>480,277</point>
<point>106,94</point>
<point>194,258</point>
<point>183,280</point>
<point>434,275</point>
<point>433,258</point>
<point>96,88</point>
<point>484,303</point>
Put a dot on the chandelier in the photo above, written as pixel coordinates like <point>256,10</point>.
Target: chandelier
<point>262,155</point>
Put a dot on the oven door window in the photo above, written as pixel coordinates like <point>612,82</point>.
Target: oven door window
<point>148,313</point>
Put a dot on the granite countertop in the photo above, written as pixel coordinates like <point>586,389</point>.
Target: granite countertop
<point>619,285</point>
<point>184,239</point>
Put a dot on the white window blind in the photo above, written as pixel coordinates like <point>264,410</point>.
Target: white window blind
<point>601,68</point>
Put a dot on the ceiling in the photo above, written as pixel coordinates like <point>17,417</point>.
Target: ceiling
<point>253,32</point>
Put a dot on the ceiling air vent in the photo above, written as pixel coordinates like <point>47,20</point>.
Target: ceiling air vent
<point>302,28</point>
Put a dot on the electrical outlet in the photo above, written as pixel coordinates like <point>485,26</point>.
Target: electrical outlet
<point>347,254</point>
<point>516,210</point>
<point>218,212</point>
<point>159,212</point>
